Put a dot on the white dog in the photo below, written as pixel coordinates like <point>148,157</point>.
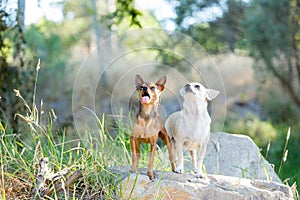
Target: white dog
<point>190,127</point>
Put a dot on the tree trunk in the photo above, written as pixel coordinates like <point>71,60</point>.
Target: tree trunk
<point>20,42</point>
<point>21,14</point>
<point>98,40</point>
<point>284,80</point>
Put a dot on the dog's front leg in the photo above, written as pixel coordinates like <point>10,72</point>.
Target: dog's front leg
<point>201,154</point>
<point>164,136</point>
<point>135,153</point>
<point>151,158</point>
<point>179,157</point>
<point>194,161</point>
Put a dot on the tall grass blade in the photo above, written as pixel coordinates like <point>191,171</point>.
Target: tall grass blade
<point>285,151</point>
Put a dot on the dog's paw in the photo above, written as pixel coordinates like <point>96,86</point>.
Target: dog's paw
<point>178,171</point>
<point>201,175</point>
<point>132,170</point>
<point>151,175</point>
<point>173,167</point>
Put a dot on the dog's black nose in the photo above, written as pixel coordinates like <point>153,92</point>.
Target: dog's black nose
<point>187,86</point>
<point>144,88</point>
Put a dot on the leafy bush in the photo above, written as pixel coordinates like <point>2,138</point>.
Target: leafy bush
<point>92,154</point>
<point>279,110</point>
<point>261,132</point>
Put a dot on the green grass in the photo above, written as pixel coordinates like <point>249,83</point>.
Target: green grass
<point>278,142</point>
<point>20,156</point>
<point>93,152</point>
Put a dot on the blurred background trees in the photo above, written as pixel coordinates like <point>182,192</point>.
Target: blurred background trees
<point>267,31</point>
<point>13,71</point>
<point>218,32</point>
<point>275,41</point>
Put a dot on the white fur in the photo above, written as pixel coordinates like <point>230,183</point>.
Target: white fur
<point>190,128</point>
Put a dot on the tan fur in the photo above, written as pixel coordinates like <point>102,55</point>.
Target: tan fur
<point>148,125</point>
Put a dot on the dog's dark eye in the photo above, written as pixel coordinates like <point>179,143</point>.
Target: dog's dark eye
<point>197,87</point>
<point>152,88</point>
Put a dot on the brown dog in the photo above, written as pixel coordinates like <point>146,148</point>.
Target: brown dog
<point>148,125</point>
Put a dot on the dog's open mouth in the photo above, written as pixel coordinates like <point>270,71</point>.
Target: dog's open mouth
<point>145,97</point>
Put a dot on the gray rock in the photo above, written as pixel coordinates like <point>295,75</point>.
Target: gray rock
<point>236,170</point>
<point>238,156</point>
<point>173,186</point>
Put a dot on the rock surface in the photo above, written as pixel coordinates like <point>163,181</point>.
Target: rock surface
<point>236,169</point>
<point>168,185</point>
<point>238,156</point>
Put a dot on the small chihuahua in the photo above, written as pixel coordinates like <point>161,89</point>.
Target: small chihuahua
<point>148,125</point>
<point>190,127</point>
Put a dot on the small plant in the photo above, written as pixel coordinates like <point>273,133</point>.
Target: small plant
<point>285,151</point>
<point>92,154</point>
<point>260,131</point>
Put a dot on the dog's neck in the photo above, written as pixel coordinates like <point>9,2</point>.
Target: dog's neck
<point>148,111</point>
<point>193,108</point>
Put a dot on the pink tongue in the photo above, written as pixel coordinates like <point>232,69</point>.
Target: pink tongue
<point>145,99</point>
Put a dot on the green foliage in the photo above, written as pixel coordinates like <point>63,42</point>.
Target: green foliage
<point>13,71</point>
<point>279,110</point>
<point>261,132</point>
<point>206,35</point>
<point>270,27</point>
<point>273,30</point>
<point>274,41</point>
<point>45,43</point>
<point>92,154</point>
<point>19,159</point>
<point>282,114</point>
<point>4,27</point>
<point>77,24</point>
<point>279,150</point>
<point>190,8</point>
<point>288,172</point>
<point>124,10</point>
<point>216,34</point>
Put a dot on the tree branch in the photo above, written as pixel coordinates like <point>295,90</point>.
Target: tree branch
<point>45,175</point>
<point>286,83</point>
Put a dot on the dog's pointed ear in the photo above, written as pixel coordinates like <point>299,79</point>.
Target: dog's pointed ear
<point>138,81</point>
<point>210,94</point>
<point>161,83</point>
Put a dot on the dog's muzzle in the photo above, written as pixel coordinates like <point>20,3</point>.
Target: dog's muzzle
<point>145,95</point>
<point>188,89</point>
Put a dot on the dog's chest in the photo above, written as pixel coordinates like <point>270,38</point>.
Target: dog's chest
<point>195,138</point>
<point>194,131</point>
<point>144,128</point>
<point>194,123</point>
